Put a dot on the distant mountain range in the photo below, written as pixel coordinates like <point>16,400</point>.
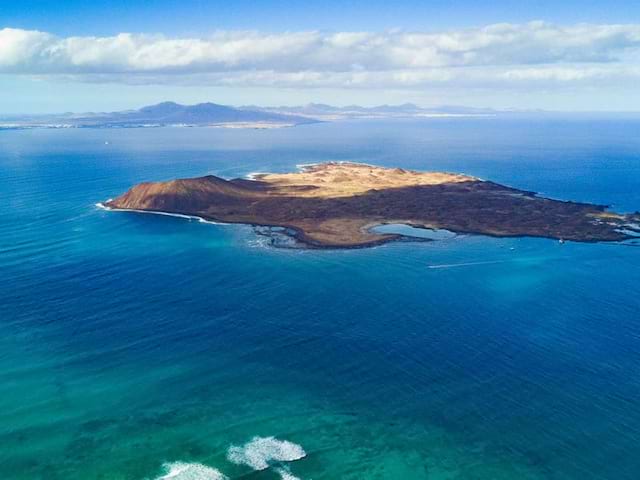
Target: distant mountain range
<point>212,114</point>
<point>163,114</point>
<point>170,113</point>
<point>319,111</point>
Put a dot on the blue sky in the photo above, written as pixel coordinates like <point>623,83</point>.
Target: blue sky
<point>72,55</point>
<point>107,17</point>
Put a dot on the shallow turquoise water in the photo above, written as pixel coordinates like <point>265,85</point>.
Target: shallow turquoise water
<point>132,340</point>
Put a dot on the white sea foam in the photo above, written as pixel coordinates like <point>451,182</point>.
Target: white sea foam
<point>254,175</point>
<point>286,474</point>
<point>155,212</point>
<point>210,222</point>
<point>189,471</point>
<point>259,242</point>
<point>631,233</point>
<point>261,451</point>
<point>305,166</point>
<point>300,166</point>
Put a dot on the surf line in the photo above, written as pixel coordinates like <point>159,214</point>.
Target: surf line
<point>467,264</point>
<point>102,206</point>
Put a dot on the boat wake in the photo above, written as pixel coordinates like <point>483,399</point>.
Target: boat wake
<point>467,264</point>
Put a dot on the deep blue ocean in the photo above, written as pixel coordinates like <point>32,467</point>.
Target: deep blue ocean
<point>137,346</point>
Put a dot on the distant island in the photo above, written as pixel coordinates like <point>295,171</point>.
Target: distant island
<point>327,113</point>
<point>336,205</point>
<point>163,115</point>
<point>171,114</point>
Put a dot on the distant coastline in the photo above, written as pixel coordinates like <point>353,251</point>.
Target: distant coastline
<point>171,114</point>
<point>166,114</point>
<point>230,125</point>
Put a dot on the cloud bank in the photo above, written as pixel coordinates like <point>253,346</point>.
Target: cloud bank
<point>497,55</point>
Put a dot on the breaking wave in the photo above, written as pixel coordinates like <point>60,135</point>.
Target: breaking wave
<point>260,452</point>
<point>103,206</point>
<point>286,474</point>
<point>190,471</point>
<point>254,175</point>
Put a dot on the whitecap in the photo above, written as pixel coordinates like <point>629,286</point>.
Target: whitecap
<point>286,474</point>
<point>210,222</point>
<point>255,175</point>
<point>261,451</point>
<point>303,167</point>
<point>103,206</point>
<point>189,471</point>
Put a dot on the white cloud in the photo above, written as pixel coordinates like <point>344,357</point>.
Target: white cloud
<point>500,54</point>
<point>21,46</point>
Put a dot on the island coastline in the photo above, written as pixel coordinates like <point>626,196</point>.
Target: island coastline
<point>336,205</point>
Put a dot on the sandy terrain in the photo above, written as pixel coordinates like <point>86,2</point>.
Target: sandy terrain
<point>335,204</point>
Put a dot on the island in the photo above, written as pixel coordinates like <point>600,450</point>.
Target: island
<point>336,205</point>
<point>165,114</point>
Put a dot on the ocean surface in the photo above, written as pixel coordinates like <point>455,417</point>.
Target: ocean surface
<point>137,346</point>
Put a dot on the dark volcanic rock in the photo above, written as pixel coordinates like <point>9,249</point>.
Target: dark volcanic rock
<point>334,205</point>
